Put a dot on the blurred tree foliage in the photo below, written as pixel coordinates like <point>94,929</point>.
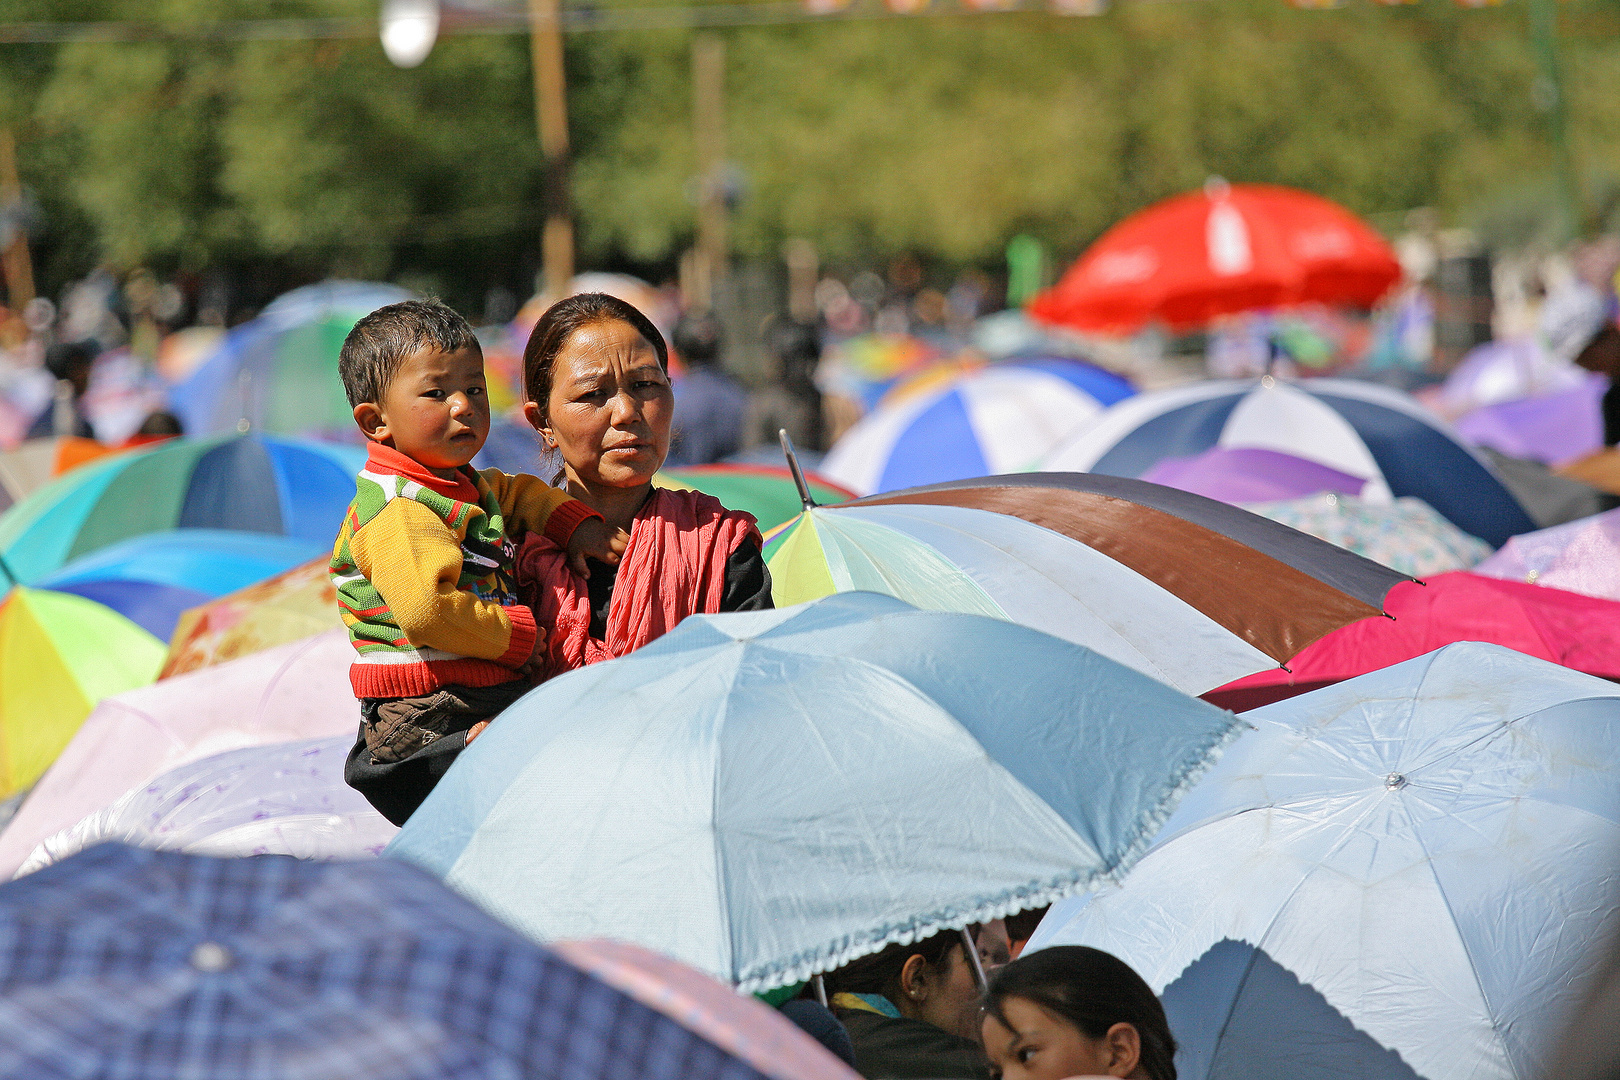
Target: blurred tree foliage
<point>941,135</point>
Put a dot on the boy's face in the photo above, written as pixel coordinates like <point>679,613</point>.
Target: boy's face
<point>435,411</point>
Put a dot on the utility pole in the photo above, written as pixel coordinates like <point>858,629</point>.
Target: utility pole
<point>709,132</point>
<point>14,260</point>
<point>1549,98</point>
<point>551,117</point>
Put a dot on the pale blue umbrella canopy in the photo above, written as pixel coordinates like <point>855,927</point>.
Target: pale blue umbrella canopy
<point>770,795</point>
<point>1407,873</point>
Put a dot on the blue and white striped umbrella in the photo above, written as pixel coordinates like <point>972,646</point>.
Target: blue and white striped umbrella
<point>771,794</point>
<point>999,419</point>
<point>1358,428</point>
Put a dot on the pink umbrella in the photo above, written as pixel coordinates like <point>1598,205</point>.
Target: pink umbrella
<point>1579,632</point>
<point>1579,557</point>
<point>296,691</point>
<point>1242,474</point>
<point>741,1025</point>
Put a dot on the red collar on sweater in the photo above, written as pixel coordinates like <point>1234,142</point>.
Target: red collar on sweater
<point>385,459</point>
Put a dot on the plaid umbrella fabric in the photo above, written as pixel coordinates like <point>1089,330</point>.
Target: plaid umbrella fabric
<point>142,965</point>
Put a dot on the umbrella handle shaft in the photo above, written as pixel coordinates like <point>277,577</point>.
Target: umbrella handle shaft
<point>972,950</point>
<point>793,466</point>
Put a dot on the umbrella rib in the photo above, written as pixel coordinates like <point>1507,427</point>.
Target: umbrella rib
<point>1473,969</point>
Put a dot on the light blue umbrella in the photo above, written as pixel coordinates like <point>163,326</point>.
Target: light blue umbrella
<point>1406,873</point>
<point>772,794</point>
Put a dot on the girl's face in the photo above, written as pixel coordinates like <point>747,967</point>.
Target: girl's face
<point>610,406</point>
<point>1034,1044</point>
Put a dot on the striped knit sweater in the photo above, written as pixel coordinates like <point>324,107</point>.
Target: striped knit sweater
<point>423,570</point>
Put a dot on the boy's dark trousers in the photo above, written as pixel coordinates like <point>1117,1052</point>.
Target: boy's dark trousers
<point>406,744</point>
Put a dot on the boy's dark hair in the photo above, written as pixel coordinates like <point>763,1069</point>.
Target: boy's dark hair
<point>381,341</point>
<point>561,321</point>
<point>1092,990</point>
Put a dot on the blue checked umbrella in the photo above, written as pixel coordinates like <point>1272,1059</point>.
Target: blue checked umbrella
<point>146,965</point>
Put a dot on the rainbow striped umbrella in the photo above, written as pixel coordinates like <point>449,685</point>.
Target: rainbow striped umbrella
<point>1177,586</point>
<point>247,483</point>
<point>153,579</point>
<point>59,655</point>
<point>278,371</point>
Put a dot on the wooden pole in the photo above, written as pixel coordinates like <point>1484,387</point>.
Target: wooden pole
<point>551,116</point>
<point>709,132</point>
<point>15,263</point>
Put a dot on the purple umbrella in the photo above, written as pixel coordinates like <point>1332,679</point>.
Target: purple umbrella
<point>1555,428</point>
<point>1251,475</point>
<point>1580,556</point>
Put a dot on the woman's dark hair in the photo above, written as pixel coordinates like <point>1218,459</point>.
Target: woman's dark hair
<point>880,972</point>
<point>560,322</point>
<point>1092,990</point>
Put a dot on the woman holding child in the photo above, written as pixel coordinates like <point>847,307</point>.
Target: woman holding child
<point>595,375</point>
<point>451,620</point>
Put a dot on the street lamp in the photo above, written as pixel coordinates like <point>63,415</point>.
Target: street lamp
<point>408,29</point>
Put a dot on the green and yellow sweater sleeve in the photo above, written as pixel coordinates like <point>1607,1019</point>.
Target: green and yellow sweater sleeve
<point>529,504</point>
<point>414,561</point>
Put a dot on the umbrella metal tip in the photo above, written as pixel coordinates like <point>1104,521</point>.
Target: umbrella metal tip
<point>211,956</point>
<point>1394,781</point>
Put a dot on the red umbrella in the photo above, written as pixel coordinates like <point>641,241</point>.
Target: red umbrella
<point>1580,632</point>
<point>1220,250</point>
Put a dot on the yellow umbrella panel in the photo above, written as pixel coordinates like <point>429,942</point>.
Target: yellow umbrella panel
<point>59,655</point>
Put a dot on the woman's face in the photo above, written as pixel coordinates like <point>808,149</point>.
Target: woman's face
<point>610,406</point>
<point>1036,1045</point>
<point>949,997</point>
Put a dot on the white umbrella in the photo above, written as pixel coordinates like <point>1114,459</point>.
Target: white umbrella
<point>1406,872</point>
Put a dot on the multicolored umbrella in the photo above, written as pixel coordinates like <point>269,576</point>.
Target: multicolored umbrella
<point>249,483</point>
<point>1372,432</point>
<point>1578,632</point>
<point>865,367</point>
<point>768,493</point>
<point>297,691</point>
<point>278,372</point>
<point>744,793</point>
<point>1404,535</point>
<point>1404,875</point>
<point>288,607</point>
<point>997,419</point>
<point>156,964</point>
<point>1224,249</point>
<point>1179,587</point>
<point>281,799</point>
<point>1249,474</point>
<point>59,656</point>
<point>153,579</point>
<point>1580,557</point>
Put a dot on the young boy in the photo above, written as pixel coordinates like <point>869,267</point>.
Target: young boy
<point>423,562</point>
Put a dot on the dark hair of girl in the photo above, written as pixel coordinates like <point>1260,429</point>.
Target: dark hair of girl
<point>1092,990</point>
<point>560,322</point>
<point>879,973</point>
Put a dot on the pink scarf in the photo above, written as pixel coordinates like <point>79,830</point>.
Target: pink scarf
<point>675,566</point>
